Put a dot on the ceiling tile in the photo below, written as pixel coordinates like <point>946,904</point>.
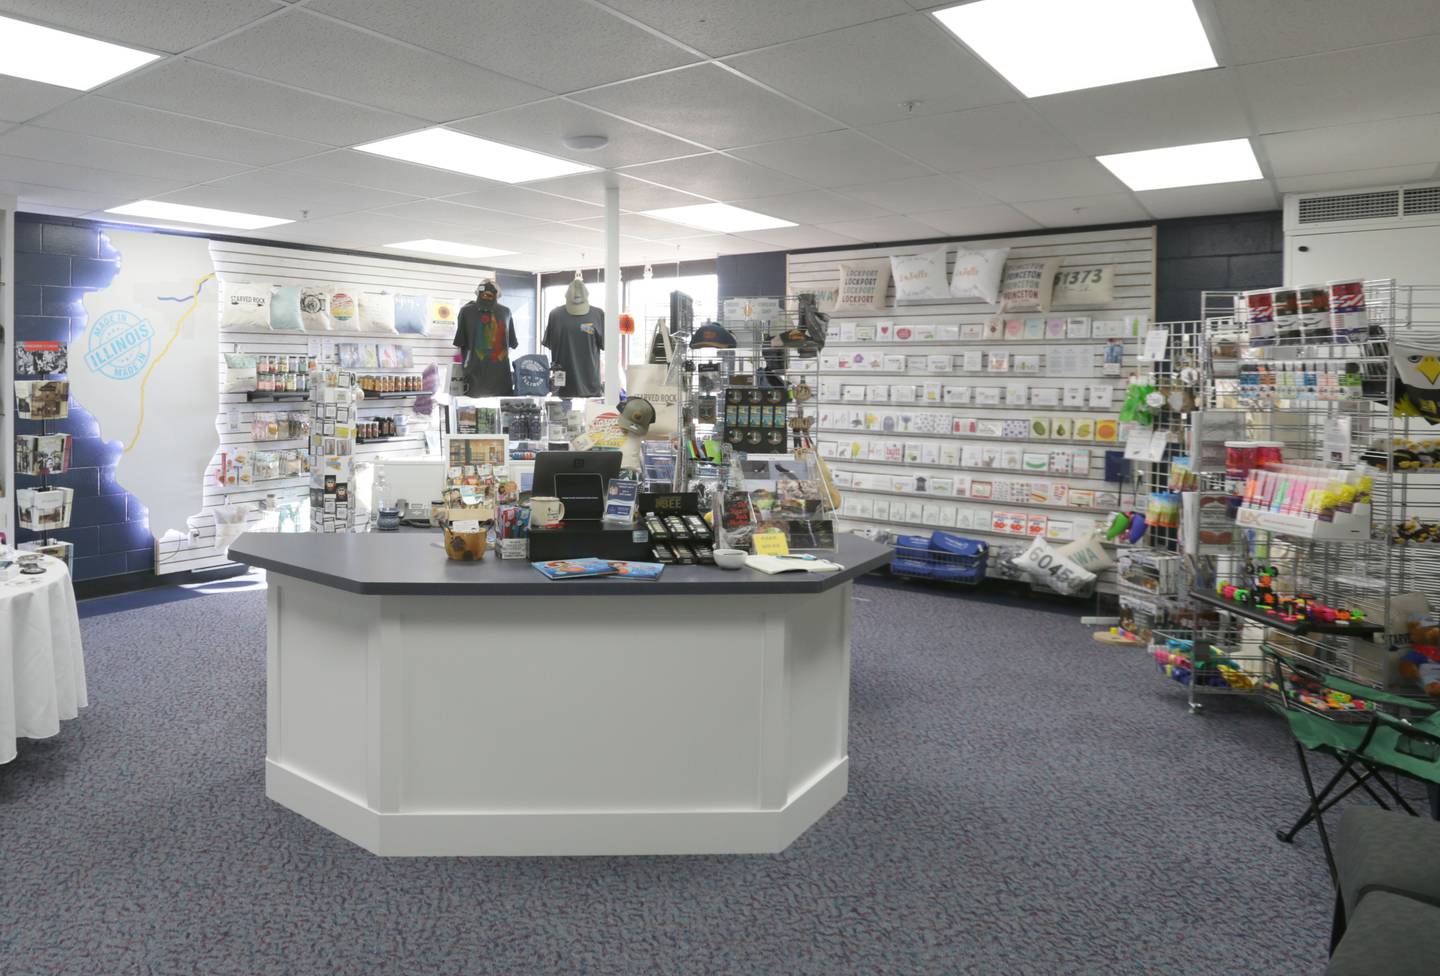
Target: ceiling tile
<point>1108,208</point>
<point>638,225</point>
<point>365,169</point>
<point>561,45</point>
<point>717,176</point>
<point>22,100</point>
<point>48,199</point>
<point>591,239</point>
<point>1287,28</point>
<point>811,207</point>
<point>980,138</point>
<point>1047,181</point>
<point>921,193</point>
<point>322,55</point>
<point>205,92</point>
<point>792,237</point>
<point>452,214</point>
<point>1220,198</point>
<point>157,25</point>
<point>124,122</point>
<point>923,64</point>
<point>634,194</point>
<point>1395,142</point>
<point>1383,81</point>
<point>879,229</point>
<point>714,244</point>
<point>833,159</point>
<point>278,194</point>
<point>739,25</point>
<point>55,145</point>
<point>65,176</point>
<point>528,203</point>
<point>544,125</point>
<point>365,230</point>
<point>975,221</point>
<point>1357,179</point>
<point>1176,110</point>
<point>708,105</point>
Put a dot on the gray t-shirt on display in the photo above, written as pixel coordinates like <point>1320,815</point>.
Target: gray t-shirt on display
<point>575,343</point>
<point>486,333</point>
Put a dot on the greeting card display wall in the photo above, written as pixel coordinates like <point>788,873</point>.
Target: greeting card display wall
<point>243,421</point>
<point>1312,530</point>
<point>952,415</point>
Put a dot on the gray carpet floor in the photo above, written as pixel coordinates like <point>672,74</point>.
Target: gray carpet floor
<point>1022,800</point>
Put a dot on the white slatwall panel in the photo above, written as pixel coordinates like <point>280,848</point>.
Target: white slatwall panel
<point>287,266</point>
<point>1132,251</point>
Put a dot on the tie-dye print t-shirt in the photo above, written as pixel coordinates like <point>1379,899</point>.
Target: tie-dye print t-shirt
<point>486,334</point>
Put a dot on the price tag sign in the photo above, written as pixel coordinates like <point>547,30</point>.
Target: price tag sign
<point>771,544</point>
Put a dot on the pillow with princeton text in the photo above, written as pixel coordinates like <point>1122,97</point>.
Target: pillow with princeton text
<point>1027,285</point>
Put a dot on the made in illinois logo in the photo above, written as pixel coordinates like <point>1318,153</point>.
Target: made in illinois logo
<point>119,344</point>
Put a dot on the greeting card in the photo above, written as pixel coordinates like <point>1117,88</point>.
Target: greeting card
<point>1077,328</point>
<point>1041,428</point>
<point>1034,329</point>
<point>1045,396</point>
<point>972,331</point>
<point>994,329</point>
<point>1014,329</point>
<point>1016,394</point>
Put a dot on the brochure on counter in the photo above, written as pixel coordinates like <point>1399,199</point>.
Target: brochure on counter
<point>589,567</point>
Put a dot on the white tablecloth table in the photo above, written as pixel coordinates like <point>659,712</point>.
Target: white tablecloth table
<point>42,668</point>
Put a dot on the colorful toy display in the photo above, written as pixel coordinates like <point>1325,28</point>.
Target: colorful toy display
<point>1257,590</point>
<point>1308,691</point>
<point>1175,659</point>
<point>1413,531</point>
<point>1421,663</point>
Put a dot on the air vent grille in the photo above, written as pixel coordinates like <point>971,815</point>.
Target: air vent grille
<point>1350,206</point>
<point>1422,200</point>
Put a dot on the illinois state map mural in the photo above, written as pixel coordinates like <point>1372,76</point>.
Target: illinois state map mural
<point>145,368</point>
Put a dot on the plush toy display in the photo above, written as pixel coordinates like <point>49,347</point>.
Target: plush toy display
<point>1421,663</point>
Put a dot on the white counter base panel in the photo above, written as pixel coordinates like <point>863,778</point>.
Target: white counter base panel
<point>558,725</point>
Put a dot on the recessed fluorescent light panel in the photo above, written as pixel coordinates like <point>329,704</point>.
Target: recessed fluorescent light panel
<point>453,249</point>
<point>58,57</point>
<point>1204,162</point>
<point>447,149</point>
<point>160,210</point>
<point>1048,46</point>
<point>718,217</point>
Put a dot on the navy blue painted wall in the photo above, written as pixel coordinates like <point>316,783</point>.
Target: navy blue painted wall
<point>56,263</point>
<point>1231,252</point>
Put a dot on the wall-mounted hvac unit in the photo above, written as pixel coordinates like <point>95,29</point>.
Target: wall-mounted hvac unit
<point>1384,232</point>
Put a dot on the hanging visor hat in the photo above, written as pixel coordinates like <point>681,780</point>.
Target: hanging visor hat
<point>636,415</point>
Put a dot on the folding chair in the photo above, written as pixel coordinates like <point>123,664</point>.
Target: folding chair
<point>1366,743</point>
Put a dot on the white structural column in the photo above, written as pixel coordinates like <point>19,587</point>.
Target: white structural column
<point>613,380</point>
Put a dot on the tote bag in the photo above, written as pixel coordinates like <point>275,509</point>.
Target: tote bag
<point>659,384</point>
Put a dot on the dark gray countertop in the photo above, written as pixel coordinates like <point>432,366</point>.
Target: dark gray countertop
<point>414,564</point>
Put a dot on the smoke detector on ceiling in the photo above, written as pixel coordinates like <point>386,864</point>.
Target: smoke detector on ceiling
<point>586,142</point>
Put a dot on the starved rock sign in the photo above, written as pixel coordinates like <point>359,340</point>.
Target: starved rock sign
<point>145,368</point>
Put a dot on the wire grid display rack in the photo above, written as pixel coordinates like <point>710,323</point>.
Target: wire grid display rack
<point>783,379</point>
<point>1325,402</point>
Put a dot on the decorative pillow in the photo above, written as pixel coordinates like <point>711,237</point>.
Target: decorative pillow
<point>344,313</point>
<point>920,277</point>
<point>1087,553</point>
<point>245,305</point>
<point>444,313</point>
<point>315,307</point>
<point>977,274</point>
<point>1084,286</point>
<point>411,314</point>
<point>377,311</point>
<point>1060,572</point>
<point>1027,285</point>
<point>285,310</point>
<point>240,373</point>
<point>862,287</point>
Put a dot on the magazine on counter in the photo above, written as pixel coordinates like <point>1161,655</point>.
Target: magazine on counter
<point>637,571</point>
<point>561,569</point>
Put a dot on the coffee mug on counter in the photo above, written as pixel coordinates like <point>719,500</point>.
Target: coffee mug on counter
<point>546,512</point>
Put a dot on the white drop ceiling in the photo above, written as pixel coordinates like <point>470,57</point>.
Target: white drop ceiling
<point>859,120</point>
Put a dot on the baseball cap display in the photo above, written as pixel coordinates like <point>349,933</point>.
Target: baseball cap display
<point>636,415</point>
<point>532,376</point>
<point>712,336</point>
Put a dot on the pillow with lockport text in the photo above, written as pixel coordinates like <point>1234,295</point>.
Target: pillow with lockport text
<point>920,277</point>
<point>1084,286</point>
<point>977,274</point>
<point>862,287</point>
<point>1027,285</point>
<point>245,305</point>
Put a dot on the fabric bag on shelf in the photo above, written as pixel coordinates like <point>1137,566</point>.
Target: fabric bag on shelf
<point>977,274</point>
<point>659,384</point>
<point>245,305</point>
<point>920,277</point>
